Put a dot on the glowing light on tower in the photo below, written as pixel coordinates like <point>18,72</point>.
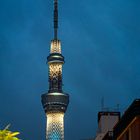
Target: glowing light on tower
<point>55,102</point>
<point>55,126</point>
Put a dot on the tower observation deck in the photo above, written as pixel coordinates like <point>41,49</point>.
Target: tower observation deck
<point>55,101</point>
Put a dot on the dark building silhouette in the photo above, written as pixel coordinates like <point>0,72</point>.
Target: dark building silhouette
<point>128,128</point>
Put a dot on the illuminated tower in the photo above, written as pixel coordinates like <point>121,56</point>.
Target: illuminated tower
<point>55,102</point>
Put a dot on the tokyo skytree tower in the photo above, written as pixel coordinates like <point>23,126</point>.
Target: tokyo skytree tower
<point>55,101</point>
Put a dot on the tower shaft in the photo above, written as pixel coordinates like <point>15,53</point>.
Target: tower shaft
<point>55,62</point>
<point>55,126</point>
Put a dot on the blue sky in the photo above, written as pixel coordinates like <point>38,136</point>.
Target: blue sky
<point>101,44</point>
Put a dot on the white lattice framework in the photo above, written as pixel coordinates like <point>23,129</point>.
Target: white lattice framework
<point>55,126</point>
<point>55,70</point>
<point>55,46</point>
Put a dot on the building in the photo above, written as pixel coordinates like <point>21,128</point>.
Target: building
<point>128,128</point>
<point>55,101</point>
<point>106,122</point>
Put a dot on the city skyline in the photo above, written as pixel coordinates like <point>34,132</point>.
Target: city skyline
<point>100,42</point>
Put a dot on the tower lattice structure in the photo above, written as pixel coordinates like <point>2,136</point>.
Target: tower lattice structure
<point>55,101</point>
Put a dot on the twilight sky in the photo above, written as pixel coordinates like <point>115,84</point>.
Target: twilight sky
<point>101,45</point>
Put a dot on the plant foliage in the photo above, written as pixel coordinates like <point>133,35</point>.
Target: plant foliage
<point>6,134</point>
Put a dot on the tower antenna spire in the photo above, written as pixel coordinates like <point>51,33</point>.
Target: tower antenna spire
<point>55,18</point>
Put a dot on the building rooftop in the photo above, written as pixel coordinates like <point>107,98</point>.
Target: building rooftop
<point>131,113</point>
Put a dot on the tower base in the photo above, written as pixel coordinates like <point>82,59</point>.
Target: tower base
<point>55,126</point>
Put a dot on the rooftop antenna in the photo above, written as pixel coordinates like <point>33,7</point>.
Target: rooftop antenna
<point>55,18</point>
<point>102,104</point>
<point>118,107</point>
